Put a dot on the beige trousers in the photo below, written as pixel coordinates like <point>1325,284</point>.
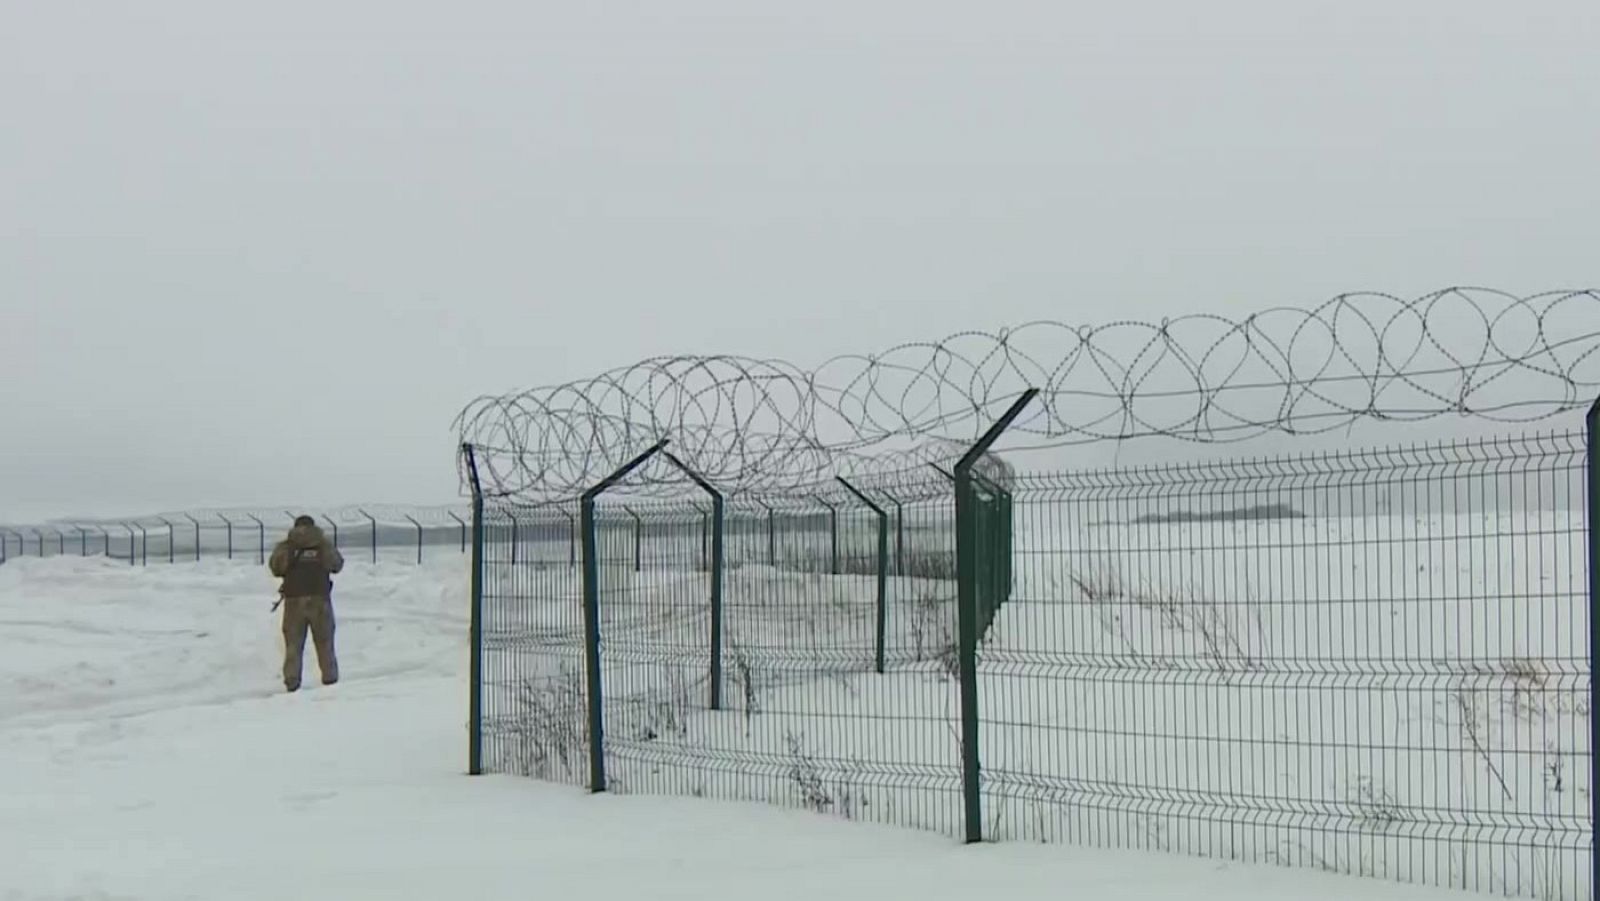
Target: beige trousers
<point>302,615</point>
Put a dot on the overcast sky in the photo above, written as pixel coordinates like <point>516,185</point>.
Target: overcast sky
<point>263,253</point>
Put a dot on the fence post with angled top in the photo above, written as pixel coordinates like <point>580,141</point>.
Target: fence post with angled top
<point>414,522</point>
<point>591,615</point>
<point>374,522</point>
<point>968,551</point>
<point>718,554</point>
<point>261,537</point>
<point>883,568</point>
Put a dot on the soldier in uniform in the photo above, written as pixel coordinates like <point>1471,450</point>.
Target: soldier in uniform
<point>306,560</point>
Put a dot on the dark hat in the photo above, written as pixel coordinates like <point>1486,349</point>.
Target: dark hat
<point>304,520</point>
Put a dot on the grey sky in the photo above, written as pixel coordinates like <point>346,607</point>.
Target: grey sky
<point>263,253</point>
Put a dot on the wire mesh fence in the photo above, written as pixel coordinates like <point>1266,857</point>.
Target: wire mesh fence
<point>377,534</point>
<point>534,693</point>
<point>1373,663</point>
<point>800,617</point>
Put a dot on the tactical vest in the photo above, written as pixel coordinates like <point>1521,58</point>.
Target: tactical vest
<point>307,576</point>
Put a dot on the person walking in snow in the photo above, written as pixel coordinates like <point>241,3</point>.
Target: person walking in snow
<point>305,561</point>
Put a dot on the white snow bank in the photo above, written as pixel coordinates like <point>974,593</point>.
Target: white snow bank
<point>153,755</point>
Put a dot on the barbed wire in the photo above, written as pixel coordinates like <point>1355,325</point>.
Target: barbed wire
<point>760,425</point>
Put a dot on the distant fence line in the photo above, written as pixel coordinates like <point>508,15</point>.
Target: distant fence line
<point>379,531</point>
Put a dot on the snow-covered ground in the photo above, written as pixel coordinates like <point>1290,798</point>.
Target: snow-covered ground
<point>147,752</point>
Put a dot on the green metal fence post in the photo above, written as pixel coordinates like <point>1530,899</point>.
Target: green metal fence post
<point>196,536</point>
<point>261,539</point>
<point>833,534</point>
<point>172,540</point>
<point>899,538</point>
<point>591,614</point>
<point>883,569</point>
<point>463,524</point>
<point>833,517</point>
<point>718,558</point>
<point>414,522</point>
<point>591,644</point>
<point>374,522</point>
<point>967,652</point>
<point>1002,576</point>
<point>1593,523</point>
<point>638,541</point>
<point>475,680</point>
<point>967,552</point>
<point>772,534</point>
